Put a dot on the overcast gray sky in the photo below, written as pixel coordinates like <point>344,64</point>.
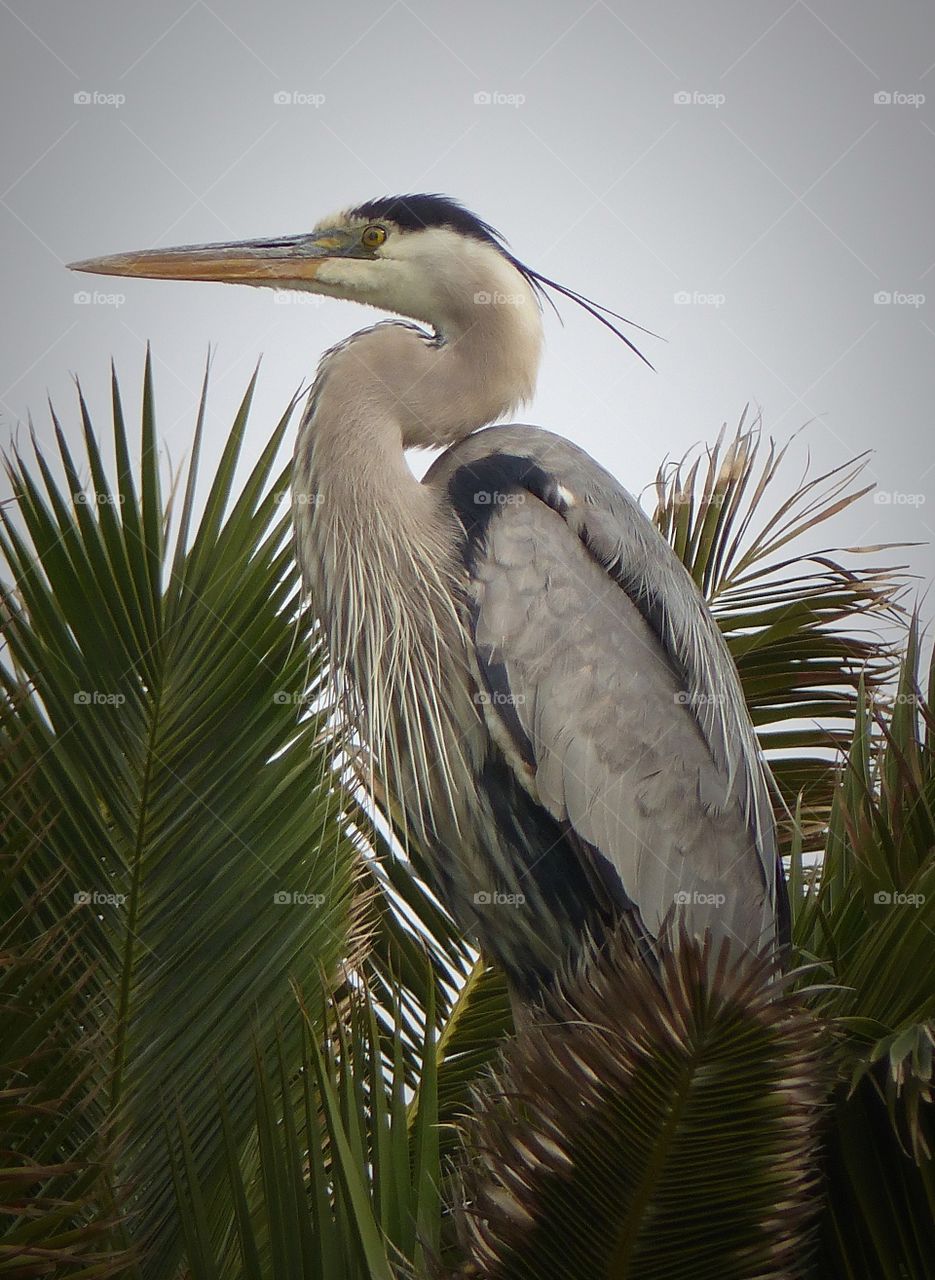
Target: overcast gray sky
<point>752,180</point>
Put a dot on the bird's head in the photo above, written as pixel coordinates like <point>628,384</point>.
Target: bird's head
<point>421,256</point>
<point>425,257</point>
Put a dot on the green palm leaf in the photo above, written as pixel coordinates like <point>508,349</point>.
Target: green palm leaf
<point>348,1177</point>
<point>803,623</point>
<point>470,999</point>
<point>171,673</point>
<point>56,1212</point>
<point>199,823</point>
<point>867,924</point>
<point>664,1126</point>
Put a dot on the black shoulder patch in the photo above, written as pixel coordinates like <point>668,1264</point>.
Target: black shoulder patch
<point>478,490</point>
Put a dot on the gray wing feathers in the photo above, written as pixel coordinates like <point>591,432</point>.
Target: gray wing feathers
<point>639,730</point>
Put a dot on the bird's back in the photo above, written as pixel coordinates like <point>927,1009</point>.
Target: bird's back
<point>622,774</point>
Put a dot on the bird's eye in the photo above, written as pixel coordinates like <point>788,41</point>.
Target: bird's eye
<point>373,237</point>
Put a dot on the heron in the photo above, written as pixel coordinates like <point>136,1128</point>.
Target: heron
<point>540,686</point>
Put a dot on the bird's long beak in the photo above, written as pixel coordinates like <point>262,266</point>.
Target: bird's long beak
<point>291,259</point>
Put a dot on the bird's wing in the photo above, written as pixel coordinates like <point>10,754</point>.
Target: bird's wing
<point>608,688</point>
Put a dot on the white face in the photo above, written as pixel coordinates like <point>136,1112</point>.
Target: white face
<point>434,274</point>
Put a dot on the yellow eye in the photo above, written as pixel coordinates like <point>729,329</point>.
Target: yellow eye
<point>373,237</point>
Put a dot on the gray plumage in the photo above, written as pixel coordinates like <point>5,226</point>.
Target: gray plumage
<point>609,694</point>
<point>532,674</point>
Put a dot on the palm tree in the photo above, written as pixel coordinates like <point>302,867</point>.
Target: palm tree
<point>241,1036</point>
<point>191,848</point>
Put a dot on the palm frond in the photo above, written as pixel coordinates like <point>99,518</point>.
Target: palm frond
<point>200,826</point>
<point>347,1185</point>
<point>418,953</point>
<point>878,1213</point>
<point>57,1211</point>
<point>805,624</point>
<point>866,924</point>
<point>666,1126</point>
<point>867,921</point>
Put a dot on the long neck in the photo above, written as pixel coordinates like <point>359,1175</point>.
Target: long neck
<point>378,560</point>
<point>354,495</point>
<point>378,550</point>
<point>395,387</point>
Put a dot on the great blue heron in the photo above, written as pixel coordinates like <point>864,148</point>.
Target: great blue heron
<point>541,685</point>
